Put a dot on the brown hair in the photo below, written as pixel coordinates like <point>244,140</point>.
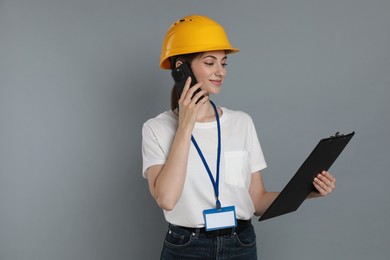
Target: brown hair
<point>183,58</point>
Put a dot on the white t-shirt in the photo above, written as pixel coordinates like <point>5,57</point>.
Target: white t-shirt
<point>241,155</point>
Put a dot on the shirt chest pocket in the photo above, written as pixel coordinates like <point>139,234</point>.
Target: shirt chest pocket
<point>236,168</point>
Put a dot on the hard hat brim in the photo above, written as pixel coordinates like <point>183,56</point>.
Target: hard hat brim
<point>165,63</point>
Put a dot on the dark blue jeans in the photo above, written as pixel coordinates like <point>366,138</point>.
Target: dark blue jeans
<point>181,244</point>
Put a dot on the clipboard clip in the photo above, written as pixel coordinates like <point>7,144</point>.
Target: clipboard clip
<point>337,134</point>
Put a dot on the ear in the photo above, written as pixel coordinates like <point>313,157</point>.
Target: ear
<point>178,63</point>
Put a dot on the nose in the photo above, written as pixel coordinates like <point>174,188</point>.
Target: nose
<point>220,70</point>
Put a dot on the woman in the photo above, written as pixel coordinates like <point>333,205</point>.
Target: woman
<point>203,162</point>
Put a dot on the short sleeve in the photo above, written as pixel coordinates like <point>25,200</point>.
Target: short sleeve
<point>257,159</point>
<point>152,152</point>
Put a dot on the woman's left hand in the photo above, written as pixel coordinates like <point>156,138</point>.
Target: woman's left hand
<point>325,183</point>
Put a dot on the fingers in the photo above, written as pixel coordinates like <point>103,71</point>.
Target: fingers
<point>200,98</point>
<point>325,183</point>
<point>185,89</point>
<point>190,94</point>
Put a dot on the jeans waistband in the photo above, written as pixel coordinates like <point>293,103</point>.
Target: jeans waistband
<point>241,224</point>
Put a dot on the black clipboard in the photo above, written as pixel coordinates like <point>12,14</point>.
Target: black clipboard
<point>301,184</point>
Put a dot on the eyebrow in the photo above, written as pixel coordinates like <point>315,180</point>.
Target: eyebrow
<point>212,56</point>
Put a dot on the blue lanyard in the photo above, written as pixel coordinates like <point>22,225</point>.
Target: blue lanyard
<point>216,181</point>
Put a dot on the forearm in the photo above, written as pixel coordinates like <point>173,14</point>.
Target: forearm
<point>263,201</point>
<point>170,181</point>
<point>261,198</point>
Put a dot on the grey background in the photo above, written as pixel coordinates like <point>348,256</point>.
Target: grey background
<point>78,79</point>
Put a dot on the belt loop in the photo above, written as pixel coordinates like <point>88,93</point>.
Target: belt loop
<point>197,232</point>
<point>233,231</point>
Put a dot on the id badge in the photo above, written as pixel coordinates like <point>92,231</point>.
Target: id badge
<point>218,219</point>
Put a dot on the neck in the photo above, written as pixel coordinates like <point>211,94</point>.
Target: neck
<point>206,113</point>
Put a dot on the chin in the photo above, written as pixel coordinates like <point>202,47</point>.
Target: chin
<point>214,90</point>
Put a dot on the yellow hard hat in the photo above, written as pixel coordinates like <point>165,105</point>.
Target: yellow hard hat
<point>191,34</point>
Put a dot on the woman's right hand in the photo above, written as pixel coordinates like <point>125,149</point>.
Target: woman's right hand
<point>189,104</point>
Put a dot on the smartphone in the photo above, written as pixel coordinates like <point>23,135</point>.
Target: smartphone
<point>180,76</point>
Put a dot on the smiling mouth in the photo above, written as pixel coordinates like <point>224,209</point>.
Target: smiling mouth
<point>216,82</point>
